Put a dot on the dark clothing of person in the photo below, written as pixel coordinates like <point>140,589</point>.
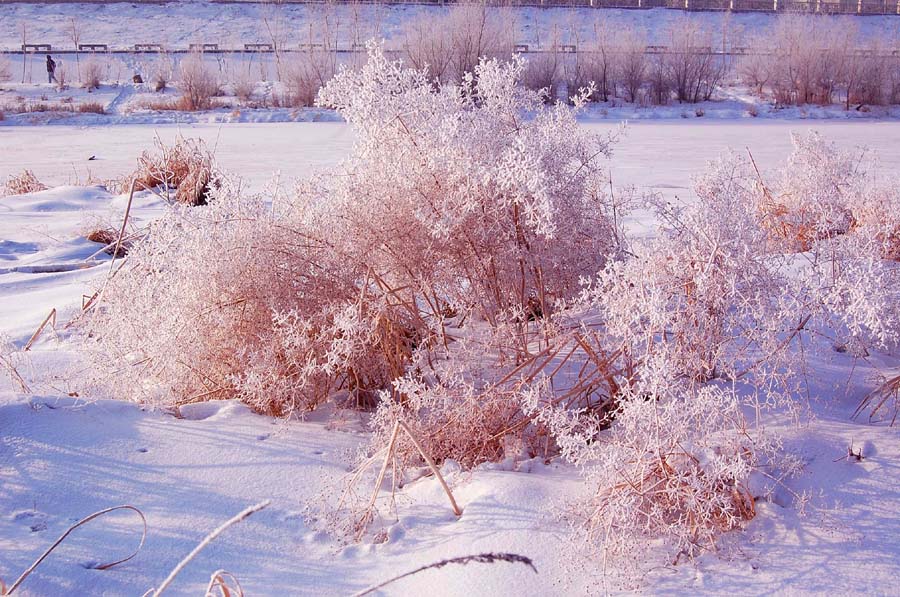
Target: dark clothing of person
<point>51,70</point>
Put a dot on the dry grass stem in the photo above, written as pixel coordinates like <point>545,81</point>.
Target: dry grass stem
<point>484,558</point>
<point>51,319</point>
<point>206,541</point>
<point>85,520</point>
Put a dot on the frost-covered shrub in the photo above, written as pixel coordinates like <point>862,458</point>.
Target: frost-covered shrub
<point>197,312</point>
<point>187,167</point>
<point>305,73</point>
<point>472,195</point>
<point>453,419</point>
<point>450,202</point>
<point>62,76</point>
<point>198,82</point>
<point>705,291</point>
<point>161,71</point>
<point>25,182</point>
<point>667,478</point>
<point>809,201</point>
<point>92,73</point>
<point>244,82</point>
<point>721,292</point>
<point>824,193</point>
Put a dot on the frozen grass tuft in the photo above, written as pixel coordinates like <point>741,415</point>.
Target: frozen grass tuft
<point>22,183</point>
<point>186,167</point>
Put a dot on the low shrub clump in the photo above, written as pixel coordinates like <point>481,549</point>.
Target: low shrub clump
<point>22,183</point>
<point>375,276</point>
<point>672,472</point>
<point>197,81</point>
<point>92,73</point>
<point>186,167</point>
<point>91,108</point>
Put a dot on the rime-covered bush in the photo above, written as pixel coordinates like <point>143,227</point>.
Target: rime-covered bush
<point>705,291</point>
<point>465,200</point>
<point>667,478</point>
<point>161,71</point>
<point>473,195</point>
<point>224,301</point>
<point>92,73</point>
<point>244,82</point>
<point>62,76</point>
<point>186,171</point>
<point>723,292</point>
<point>24,182</point>
<point>198,82</point>
<point>454,419</point>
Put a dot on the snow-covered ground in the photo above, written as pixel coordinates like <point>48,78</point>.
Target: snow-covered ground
<point>125,103</point>
<point>644,155</point>
<point>62,458</point>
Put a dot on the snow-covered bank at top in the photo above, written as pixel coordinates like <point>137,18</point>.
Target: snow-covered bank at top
<point>731,109</point>
<point>179,24</point>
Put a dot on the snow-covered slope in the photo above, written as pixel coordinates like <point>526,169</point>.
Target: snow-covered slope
<point>62,458</point>
<point>178,24</point>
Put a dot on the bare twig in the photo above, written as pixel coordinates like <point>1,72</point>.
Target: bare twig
<point>206,541</point>
<point>72,528</point>
<point>37,333</point>
<point>387,460</point>
<point>483,558</point>
<point>432,466</point>
<point>219,580</point>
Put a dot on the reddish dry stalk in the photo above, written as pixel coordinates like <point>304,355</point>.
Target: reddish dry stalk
<point>37,333</point>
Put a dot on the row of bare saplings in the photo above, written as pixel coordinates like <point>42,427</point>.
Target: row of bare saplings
<point>799,60</point>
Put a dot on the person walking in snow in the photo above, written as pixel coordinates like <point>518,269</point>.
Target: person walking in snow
<point>51,70</point>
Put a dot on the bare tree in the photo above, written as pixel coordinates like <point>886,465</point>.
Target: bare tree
<point>692,68</point>
<point>633,63</point>
<point>75,36</point>
<point>479,32</point>
<point>426,42</point>
<point>274,28</point>
<point>602,60</point>
<point>545,67</point>
<point>755,69</point>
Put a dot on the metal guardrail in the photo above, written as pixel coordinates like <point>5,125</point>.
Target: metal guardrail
<point>848,7</point>
<point>359,48</point>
